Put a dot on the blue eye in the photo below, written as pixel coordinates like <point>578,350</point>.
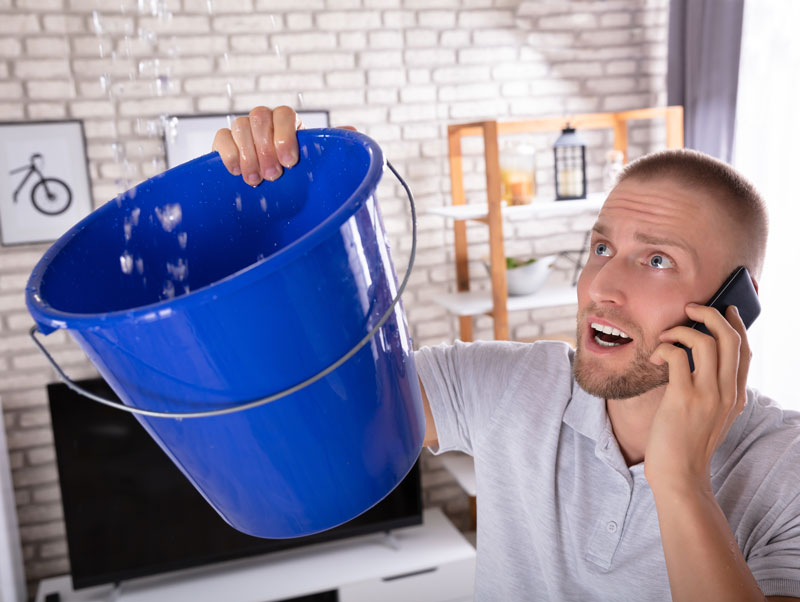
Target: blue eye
<point>599,245</point>
<point>660,264</point>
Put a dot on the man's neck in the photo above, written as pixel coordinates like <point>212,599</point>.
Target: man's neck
<point>631,420</point>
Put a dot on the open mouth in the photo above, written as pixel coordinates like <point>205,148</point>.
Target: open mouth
<point>607,336</point>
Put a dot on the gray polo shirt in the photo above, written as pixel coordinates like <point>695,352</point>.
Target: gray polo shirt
<point>560,515</point>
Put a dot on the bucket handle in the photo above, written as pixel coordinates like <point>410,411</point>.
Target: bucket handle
<point>258,402</point>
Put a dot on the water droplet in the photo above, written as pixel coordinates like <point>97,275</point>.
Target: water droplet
<point>182,236</point>
<point>127,227</point>
<point>300,102</point>
<point>238,203</point>
<point>169,216</point>
<point>179,270</point>
<point>140,265</point>
<point>118,151</point>
<point>97,22</point>
<point>135,216</point>
<point>162,85</point>
<point>170,127</point>
<point>263,202</point>
<point>229,89</point>
<point>126,262</point>
<point>168,292</point>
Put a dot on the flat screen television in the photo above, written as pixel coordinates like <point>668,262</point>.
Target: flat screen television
<point>129,512</point>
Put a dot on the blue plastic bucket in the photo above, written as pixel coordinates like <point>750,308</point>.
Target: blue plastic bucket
<point>280,281</point>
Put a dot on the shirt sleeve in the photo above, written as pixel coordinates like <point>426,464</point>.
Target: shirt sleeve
<point>465,383</point>
<point>771,491</point>
<point>775,561</point>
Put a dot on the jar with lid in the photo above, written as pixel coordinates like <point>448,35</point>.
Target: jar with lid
<point>517,171</point>
<point>612,169</point>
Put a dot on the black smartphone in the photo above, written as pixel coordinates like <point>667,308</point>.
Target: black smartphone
<point>737,290</point>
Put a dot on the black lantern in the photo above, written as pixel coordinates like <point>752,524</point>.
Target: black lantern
<point>569,152</point>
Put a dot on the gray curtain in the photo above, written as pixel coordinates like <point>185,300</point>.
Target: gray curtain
<point>705,37</point>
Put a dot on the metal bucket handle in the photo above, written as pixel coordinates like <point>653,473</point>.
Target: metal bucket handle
<point>264,400</point>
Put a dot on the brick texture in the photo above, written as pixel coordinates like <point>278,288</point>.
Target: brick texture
<point>398,70</point>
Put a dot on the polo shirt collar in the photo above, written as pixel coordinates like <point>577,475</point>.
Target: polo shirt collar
<point>586,413</point>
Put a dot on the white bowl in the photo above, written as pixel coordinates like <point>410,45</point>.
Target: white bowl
<point>529,278</point>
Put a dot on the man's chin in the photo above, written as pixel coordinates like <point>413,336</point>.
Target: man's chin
<point>597,378</point>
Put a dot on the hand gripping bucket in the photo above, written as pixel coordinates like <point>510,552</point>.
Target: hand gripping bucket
<point>251,378</point>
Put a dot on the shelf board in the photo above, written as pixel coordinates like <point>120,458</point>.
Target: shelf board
<point>462,467</point>
<point>474,303</point>
<point>537,208</point>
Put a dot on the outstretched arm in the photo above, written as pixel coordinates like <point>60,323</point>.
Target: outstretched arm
<point>431,438</point>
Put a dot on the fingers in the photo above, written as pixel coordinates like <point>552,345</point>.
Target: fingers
<point>226,147</point>
<point>261,127</point>
<point>679,373</point>
<point>745,354</point>
<point>727,347</point>
<point>261,145</point>
<point>248,159</point>
<point>284,121</point>
<point>704,352</point>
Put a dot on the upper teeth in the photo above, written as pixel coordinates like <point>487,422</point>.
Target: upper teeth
<point>609,330</point>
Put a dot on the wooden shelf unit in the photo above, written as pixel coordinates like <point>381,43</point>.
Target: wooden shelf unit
<point>491,213</point>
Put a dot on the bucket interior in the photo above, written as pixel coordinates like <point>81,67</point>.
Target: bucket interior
<point>196,224</point>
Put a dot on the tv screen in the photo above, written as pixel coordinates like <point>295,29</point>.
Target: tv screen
<point>130,512</point>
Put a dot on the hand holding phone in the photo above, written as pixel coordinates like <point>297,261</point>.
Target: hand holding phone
<point>737,290</point>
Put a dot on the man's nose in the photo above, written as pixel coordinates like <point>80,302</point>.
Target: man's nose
<point>609,284</point>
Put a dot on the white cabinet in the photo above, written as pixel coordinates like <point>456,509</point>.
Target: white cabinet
<point>431,562</point>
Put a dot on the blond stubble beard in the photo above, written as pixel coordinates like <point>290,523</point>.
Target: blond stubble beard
<point>640,377</point>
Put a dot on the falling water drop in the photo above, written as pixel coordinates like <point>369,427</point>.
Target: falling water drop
<point>126,262</point>
<point>97,22</point>
<point>168,291</point>
<point>169,215</point>
<point>178,270</point>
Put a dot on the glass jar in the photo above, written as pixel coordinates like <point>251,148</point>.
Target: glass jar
<point>517,171</point>
<point>612,169</point>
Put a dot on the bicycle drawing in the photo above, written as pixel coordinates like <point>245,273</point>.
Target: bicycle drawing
<point>50,196</point>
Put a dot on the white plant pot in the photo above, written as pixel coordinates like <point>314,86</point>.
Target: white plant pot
<point>528,279</point>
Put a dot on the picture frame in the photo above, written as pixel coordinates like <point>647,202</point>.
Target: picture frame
<point>45,187</point>
<point>189,136</point>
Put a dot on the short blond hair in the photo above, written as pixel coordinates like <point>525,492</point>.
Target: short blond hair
<point>737,196</point>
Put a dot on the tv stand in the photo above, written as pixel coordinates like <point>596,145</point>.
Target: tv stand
<point>431,562</point>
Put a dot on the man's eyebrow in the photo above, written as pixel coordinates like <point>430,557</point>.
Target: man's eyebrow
<point>655,240</point>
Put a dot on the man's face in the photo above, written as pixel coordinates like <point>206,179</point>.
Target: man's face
<point>659,247</point>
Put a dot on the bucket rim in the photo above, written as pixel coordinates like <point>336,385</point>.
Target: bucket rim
<point>49,319</point>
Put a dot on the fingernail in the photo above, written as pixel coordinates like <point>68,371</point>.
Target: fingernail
<point>693,305</point>
<point>289,158</point>
<point>272,173</point>
<point>236,171</point>
<point>253,179</point>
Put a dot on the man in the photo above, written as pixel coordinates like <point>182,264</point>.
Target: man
<point>612,471</point>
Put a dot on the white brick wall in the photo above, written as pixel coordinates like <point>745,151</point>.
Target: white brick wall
<point>399,70</point>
